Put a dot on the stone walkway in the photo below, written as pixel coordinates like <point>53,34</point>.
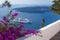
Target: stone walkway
<point>56,37</point>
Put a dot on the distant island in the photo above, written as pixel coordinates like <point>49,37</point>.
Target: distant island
<point>38,9</point>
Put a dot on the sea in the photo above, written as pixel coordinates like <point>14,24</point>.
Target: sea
<point>32,13</point>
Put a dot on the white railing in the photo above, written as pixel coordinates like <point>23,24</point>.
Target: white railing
<point>46,33</point>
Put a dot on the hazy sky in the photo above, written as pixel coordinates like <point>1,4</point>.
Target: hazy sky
<point>31,2</point>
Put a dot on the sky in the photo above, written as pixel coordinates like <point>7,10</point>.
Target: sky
<point>29,2</point>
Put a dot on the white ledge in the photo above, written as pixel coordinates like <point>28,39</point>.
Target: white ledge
<point>47,32</point>
<point>50,25</point>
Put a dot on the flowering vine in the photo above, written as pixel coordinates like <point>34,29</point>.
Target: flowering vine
<point>8,32</point>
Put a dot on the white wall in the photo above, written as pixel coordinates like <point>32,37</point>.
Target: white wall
<point>46,32</point>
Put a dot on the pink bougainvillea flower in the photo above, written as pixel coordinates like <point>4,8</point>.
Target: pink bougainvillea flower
<point>1,37</point>
<point>5,23</point>
<point>31,31</point>
<point>28,32</point>
<point>5,19</point>
<point>34,31</point>
<point>15,14</point>
<point>0,32</point>
<point>21,27</point>
<point>11,37</point>
<point>11,29</point>
<point>6,38</point>
<point>17,35</point>
<point>14,32</point>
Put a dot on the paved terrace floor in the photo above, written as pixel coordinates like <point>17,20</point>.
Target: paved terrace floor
<point>56,37</point>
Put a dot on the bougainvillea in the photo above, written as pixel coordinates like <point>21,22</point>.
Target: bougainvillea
<point>8,32</point>
<point>13,31</point>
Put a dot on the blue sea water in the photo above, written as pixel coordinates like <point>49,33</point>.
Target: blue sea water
<point>36,19</point>
<point>35,15</point>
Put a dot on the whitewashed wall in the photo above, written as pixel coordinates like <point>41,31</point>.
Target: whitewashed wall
<point>46,32</point>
